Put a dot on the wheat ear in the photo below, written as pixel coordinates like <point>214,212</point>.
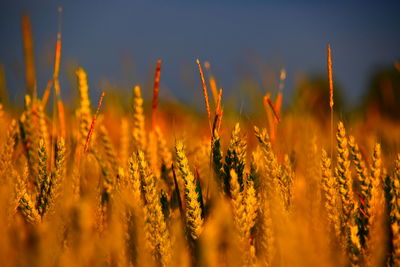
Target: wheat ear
<point>193,209</point>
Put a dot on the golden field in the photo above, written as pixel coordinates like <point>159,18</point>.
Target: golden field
<point>159,184</point>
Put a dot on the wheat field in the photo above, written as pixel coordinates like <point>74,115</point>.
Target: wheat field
<point>94,184</point>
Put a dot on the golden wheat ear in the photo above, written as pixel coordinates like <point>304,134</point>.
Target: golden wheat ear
<point>343,174</point>
<point>244,206</point>
<point>155,226</point>
<point>344,179</point>
<point>134,178</point>
<point>273,169</point>
<point>8,148</point>
<point>235,157</point>
<point>364,180</point>
<point>394,190</point>
<point>286,182</point>
<point>361,169</point>
<point>329,186</point>
<point>193,209</point>
<point>138,131</point>
<point>24,202</point>
<point>59,173</point>
<point>376,201</point>
<point>84,112</point>
<point>27,208</point>
<point>43,179</point>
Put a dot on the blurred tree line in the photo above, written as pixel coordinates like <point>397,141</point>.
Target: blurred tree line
<point>381,98</point>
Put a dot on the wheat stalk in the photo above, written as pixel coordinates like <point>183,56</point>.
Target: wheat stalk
<point>156,89</point>
<point>206,101</point>
<point>91,129</point>
<point>30,73</point>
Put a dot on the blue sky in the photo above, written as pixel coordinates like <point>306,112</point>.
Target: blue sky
<point>120,41</point>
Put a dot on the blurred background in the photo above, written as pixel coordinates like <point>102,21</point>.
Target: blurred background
<point>246,42</point>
